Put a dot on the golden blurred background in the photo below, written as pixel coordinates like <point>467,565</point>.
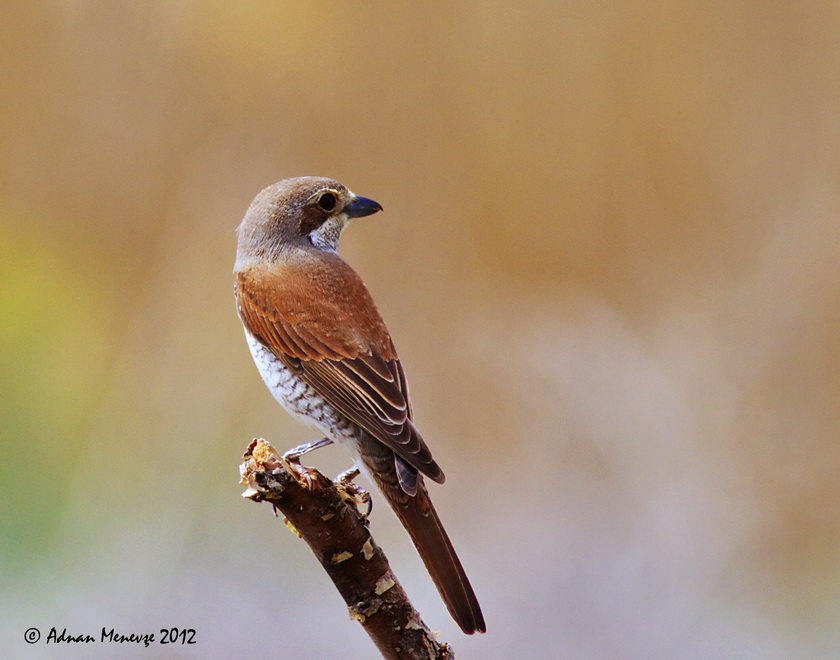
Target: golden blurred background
<point>609,258</point>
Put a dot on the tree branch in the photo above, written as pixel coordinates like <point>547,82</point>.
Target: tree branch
<point>324,515</point>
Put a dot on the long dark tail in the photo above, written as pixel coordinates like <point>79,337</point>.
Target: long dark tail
<point>420,519</point>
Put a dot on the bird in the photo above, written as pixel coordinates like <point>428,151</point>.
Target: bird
<point>324,352</point>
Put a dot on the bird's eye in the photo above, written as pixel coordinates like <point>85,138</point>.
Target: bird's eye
<point>327,202</point>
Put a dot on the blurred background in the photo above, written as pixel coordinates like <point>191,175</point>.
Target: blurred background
<point>609,259</point>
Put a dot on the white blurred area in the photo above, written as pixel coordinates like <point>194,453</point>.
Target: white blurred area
<point>608,258</point>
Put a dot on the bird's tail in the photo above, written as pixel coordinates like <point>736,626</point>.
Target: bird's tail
<point>420,519</point>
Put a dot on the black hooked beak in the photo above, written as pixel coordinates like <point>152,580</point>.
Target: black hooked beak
<point>361,206</point>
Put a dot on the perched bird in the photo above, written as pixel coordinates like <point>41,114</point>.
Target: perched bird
<point>327,357</point>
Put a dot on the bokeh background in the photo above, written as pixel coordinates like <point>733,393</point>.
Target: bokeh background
<point>609,257</point>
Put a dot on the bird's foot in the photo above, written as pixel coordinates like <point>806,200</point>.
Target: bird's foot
<point>291,459</point>
<point>299,472</point>
<point>351,492</point>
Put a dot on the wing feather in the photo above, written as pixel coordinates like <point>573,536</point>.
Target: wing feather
<point>362,378</point>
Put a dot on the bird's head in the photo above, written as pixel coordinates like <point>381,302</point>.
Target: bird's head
<point>307,212</point>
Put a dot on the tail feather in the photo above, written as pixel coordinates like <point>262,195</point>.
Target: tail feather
<point>406,493</point>
<point>420,519</point>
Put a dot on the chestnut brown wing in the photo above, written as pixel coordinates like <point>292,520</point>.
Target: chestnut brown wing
<point>341,348</point>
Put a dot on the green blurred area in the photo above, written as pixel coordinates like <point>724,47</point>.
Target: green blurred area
<point>54,343</point>
<point>608,259</point>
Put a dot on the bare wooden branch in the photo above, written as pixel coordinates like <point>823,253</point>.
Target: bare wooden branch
<point>324,515</point>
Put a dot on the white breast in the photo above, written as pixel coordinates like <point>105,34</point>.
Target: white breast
<point>299,399</point>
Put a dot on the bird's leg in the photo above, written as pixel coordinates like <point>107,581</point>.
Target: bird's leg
<point>292,460</point>
<point>294,454</point>
<point>346,478</point>
<point>352,492</point>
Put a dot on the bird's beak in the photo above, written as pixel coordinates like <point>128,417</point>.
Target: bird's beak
<point>361,206</point>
